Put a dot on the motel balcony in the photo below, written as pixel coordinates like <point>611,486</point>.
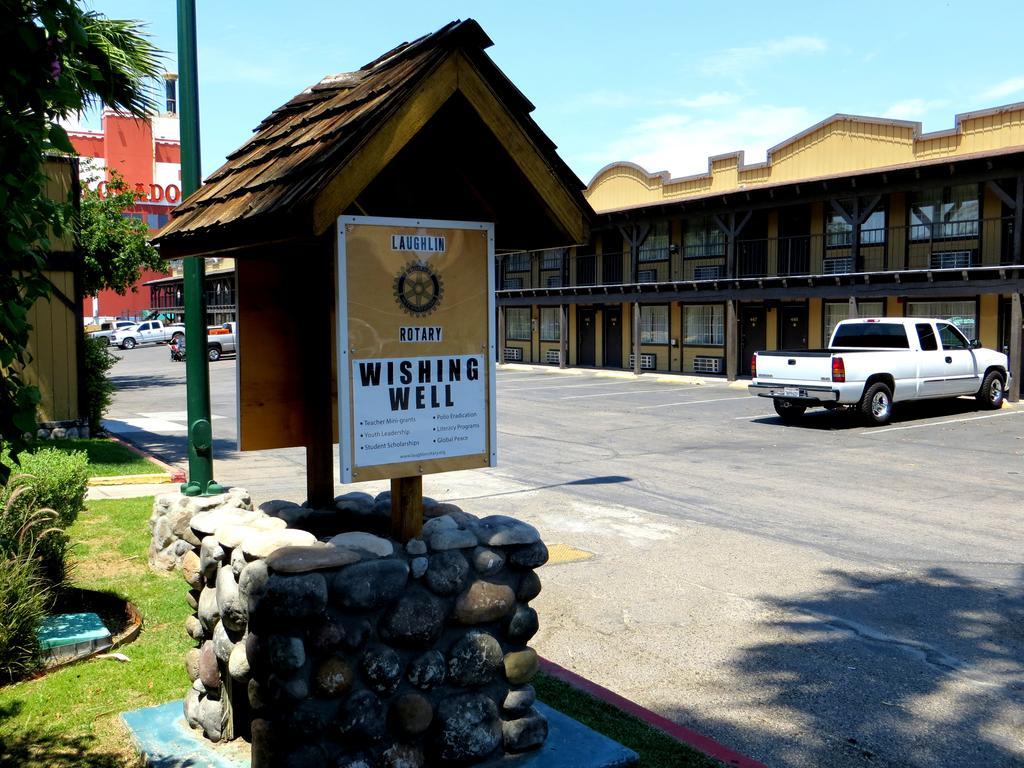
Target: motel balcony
<point>918,248</point>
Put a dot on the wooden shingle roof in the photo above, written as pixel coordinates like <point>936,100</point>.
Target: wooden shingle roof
<point>272,181</point>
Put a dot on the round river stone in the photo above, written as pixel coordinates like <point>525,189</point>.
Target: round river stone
<point>411,714</point>
<point>484,602</point>
<point>474,660</point>
<point>468,728</point>
<point>416,621</point>
<point>447,572</point>
<point>371,584</point>
<point>427,671</point>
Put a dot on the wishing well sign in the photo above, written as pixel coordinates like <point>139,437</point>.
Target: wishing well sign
<point>415,347</point>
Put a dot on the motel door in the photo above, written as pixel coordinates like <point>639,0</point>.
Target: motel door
<point>586,322</point>
<point>612,337</point>
<point>753,336</point>
<point>793,319</point>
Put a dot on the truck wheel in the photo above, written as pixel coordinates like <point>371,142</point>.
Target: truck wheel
<point>128,343</point>
<point>107,339</point>
<point>992,392</point>
<point>788,410</point>
<point>213,353</point>
<point>876,405</point>
<point>178,336</point>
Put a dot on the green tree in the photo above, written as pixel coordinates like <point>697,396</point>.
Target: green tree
<point>59,60</point>
<point>115,247</point>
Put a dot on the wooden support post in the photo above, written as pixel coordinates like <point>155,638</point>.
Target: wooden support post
<point>318,426</point>
<point>731,336</point>
<point>853,308</point>
<point>1018,219</point>
<point>406,508</point>
<point>636,338</point>
<point>563,336</point>
<point>501,334</point>
<point>1015,347</point>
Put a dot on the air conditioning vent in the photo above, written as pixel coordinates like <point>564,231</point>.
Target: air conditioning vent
<point>513,283</point>
<point>707,364</point>
<point>512,354</point>
<point>647,276</point>
<point>838,265</point>
<point>647,361</point>
<point>553,357</point>
<point>553,281</point>
<point>951,260</point>
<point>712,272</point>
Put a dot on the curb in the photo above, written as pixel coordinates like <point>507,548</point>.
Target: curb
<point>690,738</point>
<point>161,477</point>
<point>660,377</point>
<point>173,474</point>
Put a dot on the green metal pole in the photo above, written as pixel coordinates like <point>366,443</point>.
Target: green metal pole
<point>197,372</point>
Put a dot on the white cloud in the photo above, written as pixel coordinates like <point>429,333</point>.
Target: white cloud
<point>704,100</point>
<point>1006,88</point>
<point>913,109</point>
<point>734,61</point>
<point>681,144</point>
<point>600,99</point>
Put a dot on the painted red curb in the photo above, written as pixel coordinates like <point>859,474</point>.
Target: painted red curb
<point>177,475</point>
<point>691,738</point>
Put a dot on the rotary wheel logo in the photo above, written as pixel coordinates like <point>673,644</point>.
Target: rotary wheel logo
<point>418,288</point>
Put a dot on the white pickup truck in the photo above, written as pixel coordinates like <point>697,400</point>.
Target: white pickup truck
<point>871,363</point>
<point>147,332</point>
<point>221,340</point>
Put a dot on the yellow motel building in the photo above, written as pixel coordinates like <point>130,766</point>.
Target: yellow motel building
<point>855,216</point>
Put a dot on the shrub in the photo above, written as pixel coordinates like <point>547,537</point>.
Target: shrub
<point>24,592</point>
<point>99,391</point>
<point>52,480</point>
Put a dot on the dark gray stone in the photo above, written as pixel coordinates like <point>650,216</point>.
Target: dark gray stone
<point>447,572</point>
<point>371,584</point>
<point>252,581</point>
<point>487,561</point>
<point>530,556</point>
<point>355,761</point>
<point>403,756</point>
<point>363,718</point>
<point>438,525</point>
<point>416,621</point>
<point>285,653</point>
<point>298,597</point>
<point>289,688</point>
<point>350,634</point>
<point>525,733</point>
<point>529,587</point>
<point>305,559</point>
<point>427,670</point>
<point>474,660</point>
<point>382,668</point>
<point>457,539</point>
<point>504,531</point>
<point>418,566</point>
<point>519,700</point>
<point>257,694</point>
<point>356,501</point>
<point>468,728</point>
<point>416,547</point>
<point>222,643</point>
<point>522,625</point>
<point>192,708</point>
<point>410,715</point>
<point>306,719</point>
<point>208,610</point>
<point>484,602</point>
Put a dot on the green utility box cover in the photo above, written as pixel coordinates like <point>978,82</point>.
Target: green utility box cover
<point>68,636</point>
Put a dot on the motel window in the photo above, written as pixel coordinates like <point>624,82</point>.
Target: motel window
<point>553,258</point>
<point>942,213</point>
<point>703,239</point>
<point>655,246</point>
<point>839,233</point>
<point>517,262</point>
<point>654,324</point>
<point>517,323</point>
<point>836,311</point>
<point>962,314</point>
<point>550,324</point>
<point>704,324</point>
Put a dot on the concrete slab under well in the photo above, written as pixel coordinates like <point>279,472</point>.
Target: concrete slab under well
<point>164,739</point>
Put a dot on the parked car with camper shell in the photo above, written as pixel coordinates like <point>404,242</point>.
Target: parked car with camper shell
<point>872,363</point>
<point>108,329</point>
<point>147,332</point>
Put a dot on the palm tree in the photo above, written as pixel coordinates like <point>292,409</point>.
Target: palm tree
<point>59,60</point>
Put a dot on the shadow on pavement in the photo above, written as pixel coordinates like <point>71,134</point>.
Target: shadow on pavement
<point>927,672</point>
<point>903,413</point>
<point>601,480</point>
<point>145,382</point>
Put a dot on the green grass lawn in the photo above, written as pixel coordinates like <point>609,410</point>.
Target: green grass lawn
<point>106,457</point>
<point>69,718</point>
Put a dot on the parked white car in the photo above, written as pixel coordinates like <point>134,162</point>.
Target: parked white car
<point>872,363</point>
<point>148,332</point>
<point>107,330</point>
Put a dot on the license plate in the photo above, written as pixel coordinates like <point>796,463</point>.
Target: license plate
<point>790,392</point>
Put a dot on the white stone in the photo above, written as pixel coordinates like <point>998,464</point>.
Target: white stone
<point>262,543</point>
<point>438,524</point>
<point>233,534</point>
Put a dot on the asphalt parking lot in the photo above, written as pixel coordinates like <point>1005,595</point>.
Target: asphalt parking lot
<point>819,594</point>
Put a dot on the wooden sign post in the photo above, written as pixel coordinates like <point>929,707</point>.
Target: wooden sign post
<point>416,360</point>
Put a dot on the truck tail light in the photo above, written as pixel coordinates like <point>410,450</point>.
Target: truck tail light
<point>753,365</point>
<point>838,369</point>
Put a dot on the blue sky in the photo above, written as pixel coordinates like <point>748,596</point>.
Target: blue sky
<point>661,84</point>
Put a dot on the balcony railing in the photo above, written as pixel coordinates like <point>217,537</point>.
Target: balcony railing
<point>943,245</point>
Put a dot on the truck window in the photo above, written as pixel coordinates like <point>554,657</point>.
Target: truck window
<point>951,337</point>
<point>877,335</point>
<point>927,336</point>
